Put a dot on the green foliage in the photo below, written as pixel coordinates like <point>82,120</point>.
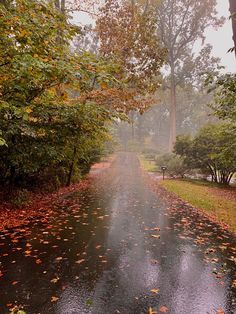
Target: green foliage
<point>212,151</point>
<point>175,165</point>
<point>224,104</point>
<point>53,127</point>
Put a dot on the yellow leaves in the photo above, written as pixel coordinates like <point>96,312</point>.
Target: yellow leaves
<point>28,110</point>
<point>104,85</point>
<point>151,311</point>
<point>23,33</point>
<point>155,291</point>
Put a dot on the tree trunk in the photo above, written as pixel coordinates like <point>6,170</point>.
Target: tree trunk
<point>172,138</point>
<point>71,167</point>
<point>232,8</point>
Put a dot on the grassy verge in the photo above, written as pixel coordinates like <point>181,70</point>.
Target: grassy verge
<point>148,165</point>
<point>199,195</point>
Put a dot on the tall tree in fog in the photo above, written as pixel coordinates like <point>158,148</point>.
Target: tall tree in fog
<point>181,24</point>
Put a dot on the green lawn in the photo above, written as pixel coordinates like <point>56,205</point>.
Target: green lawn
<point>148,165</point>
<point>204,196</point>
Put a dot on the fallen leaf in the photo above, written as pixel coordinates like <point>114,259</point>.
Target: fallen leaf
<point>155,290</point>
<point>54,299</point>
<point>80,261</point>
<point>14,283</point>
<point>38,261</point>
<point>55,280</point>
<point>164,309</point>
<point>156,236</point>
<point>151,311</point>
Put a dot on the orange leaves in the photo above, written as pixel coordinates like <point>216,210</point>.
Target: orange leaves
<point>54,299</point>
<point>38,261</point>
<point>14,283</point>
<point>220,311</point>
<point>151,311</point>
<point>155,291</point>
<point>80,261</point>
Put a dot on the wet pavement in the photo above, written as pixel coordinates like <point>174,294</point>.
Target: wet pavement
<point>118,248</point>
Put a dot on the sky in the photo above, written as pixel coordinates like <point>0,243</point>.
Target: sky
<point>220,39</point>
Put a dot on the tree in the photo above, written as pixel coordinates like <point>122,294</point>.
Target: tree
<point>224,104</point>
<point>180,24</point>
<point>50,126</point>
<point>212,151</point>
<point>127,33</point>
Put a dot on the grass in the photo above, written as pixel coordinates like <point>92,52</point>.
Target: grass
<point>198,194</point>
<point>148,165</point>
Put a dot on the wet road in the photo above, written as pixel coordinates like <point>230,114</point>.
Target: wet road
<point>118,248</point>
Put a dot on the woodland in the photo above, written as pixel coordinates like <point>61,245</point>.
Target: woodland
<point>117,158</point>
<point>65,86</point>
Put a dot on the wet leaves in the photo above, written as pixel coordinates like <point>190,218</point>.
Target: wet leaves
<point>54,299</point>
<point>157,236</point>
<point>151,311</point>
<point>163,309</point>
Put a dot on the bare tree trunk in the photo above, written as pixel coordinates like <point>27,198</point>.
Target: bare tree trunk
<point>71,167</point>
<point>172,137</point>
<point>232,8</point>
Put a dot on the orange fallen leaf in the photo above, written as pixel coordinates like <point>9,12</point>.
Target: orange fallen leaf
<point>54,299</point>
<point>156,236</point>
<point>80,261</point>
<point>38,261</point>
<point>164,309</point>
<point>55,280</point>
<point>14,283</point>
<point>155,290</point>
<point>151,311</point>
<point>220,311</point>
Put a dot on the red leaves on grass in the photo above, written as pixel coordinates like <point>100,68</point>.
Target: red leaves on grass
<point>40,205</point>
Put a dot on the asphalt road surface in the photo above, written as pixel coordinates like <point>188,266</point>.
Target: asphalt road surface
<point>118,248</point>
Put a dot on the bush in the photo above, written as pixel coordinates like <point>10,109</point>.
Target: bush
<point>175,165</point>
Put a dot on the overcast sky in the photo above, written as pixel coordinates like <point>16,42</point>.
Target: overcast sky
<point>221,40</point>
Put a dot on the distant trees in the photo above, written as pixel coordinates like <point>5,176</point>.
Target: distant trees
<point>212,150</point>
<point>180,24</point>
<point>224,104</point>
<point>127,32</point>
